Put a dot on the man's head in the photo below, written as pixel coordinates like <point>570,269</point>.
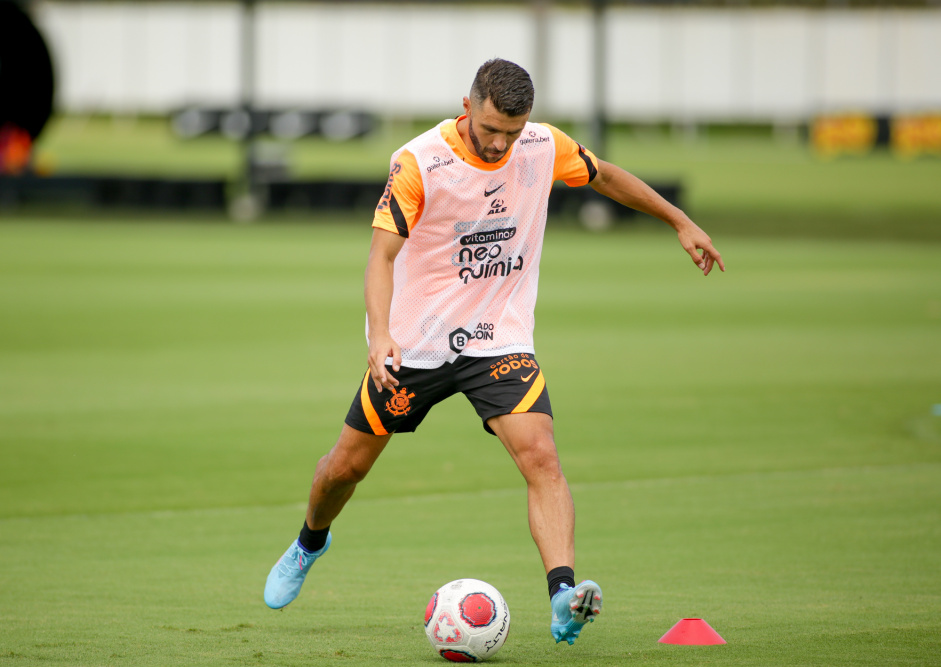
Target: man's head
<point>501,98</point>
<point>506,85</point>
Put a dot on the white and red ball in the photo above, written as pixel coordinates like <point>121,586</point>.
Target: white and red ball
<point>467,620</point>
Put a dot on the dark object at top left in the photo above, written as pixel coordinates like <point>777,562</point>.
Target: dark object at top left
<point>26,76</point>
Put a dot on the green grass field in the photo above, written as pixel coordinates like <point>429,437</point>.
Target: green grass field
<point>757,448</point>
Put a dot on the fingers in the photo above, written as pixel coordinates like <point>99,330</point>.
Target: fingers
<point>381,377</point>
<point>699,247</point>
<point>707,264</point>
<point>705,257</point>
<point>714,257</point>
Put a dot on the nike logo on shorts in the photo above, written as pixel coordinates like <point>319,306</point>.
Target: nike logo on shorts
<point>526,378</point>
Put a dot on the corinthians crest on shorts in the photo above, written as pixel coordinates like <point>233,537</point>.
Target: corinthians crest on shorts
<point>400,403</point>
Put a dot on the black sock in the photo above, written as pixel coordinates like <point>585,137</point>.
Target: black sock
<point>312,540</point>
<point>558,576</point>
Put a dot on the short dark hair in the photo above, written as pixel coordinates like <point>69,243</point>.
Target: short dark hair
<point>506,84</point>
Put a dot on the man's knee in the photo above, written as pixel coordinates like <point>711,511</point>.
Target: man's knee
<point>339,470</point>
<point>539,460</point>
<point>351,458</point>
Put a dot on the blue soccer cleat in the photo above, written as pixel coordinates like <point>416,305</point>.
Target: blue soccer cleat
<point>287,575</point>
<point>572,608</point>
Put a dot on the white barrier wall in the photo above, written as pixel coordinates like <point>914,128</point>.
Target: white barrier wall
<point>670,63</point>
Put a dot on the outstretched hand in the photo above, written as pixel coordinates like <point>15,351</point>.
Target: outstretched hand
<point>699,246</point>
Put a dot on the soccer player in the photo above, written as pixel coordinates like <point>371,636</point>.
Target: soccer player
<point>450,292</point>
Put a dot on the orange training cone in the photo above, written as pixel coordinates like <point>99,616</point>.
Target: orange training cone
<point>692,631</point>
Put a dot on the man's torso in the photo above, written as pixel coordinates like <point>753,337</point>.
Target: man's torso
<point>466,278</point>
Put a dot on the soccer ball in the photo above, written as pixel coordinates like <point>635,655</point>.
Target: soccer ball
<point>467,620</point>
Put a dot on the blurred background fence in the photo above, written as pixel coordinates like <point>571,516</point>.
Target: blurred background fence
<point>664,61</point>
<point>855,74</point>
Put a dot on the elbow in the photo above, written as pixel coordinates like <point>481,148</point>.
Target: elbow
<point>602,178</point>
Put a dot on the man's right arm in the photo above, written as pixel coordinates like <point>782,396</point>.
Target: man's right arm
<point>378,291</point>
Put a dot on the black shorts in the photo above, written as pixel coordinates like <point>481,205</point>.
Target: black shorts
<point>495,386</point>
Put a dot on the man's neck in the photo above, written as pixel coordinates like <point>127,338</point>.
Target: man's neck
<point>462,124</point>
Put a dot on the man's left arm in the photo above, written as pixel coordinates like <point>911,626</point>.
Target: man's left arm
<point>625,188</point>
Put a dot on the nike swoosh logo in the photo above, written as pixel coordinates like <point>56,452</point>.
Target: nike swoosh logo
<point>526,379</point>
<point>487,193</point>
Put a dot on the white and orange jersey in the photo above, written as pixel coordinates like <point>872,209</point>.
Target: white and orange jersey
<point>465,281</point>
